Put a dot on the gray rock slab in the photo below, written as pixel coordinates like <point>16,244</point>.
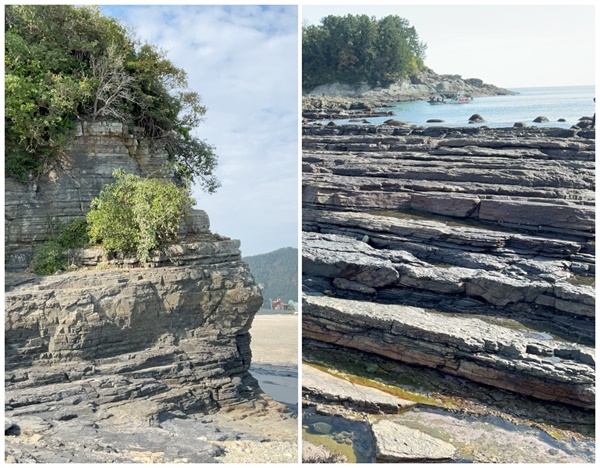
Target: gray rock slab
<point>400,444</point>
<point>491,439</point>
<point>332,389</point>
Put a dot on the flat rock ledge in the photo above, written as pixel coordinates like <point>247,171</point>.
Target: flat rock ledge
<point>514,360</point>
<point>541,180</point>
<point>319,385</point>
<point>399,444</point>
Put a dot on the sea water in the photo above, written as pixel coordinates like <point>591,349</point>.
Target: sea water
<point>566,102</point>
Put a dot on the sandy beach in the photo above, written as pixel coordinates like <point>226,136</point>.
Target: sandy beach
<point>275,339</point>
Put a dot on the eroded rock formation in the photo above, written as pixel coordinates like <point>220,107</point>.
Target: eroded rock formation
<point>126,334</point>
<point>342,101</point>
<point>64,192</point>
<point>113,359</point>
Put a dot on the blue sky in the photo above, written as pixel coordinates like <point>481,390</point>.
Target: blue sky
<point>243,62</point>
<point>506,45</point>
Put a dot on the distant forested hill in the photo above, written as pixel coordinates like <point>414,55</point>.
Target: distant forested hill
<point>278,272</point>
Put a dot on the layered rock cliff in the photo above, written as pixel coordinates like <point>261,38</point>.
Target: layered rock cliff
<point>99,359</point>
<point>64,193</point>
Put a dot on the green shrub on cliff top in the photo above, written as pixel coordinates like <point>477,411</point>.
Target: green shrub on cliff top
<point>64,63</point>
<point>136,215</point>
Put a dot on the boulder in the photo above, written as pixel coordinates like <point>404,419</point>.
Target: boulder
<point>399,444</point>
<point>395,123</point>
<point>476,118</point>
<point>321,428</point>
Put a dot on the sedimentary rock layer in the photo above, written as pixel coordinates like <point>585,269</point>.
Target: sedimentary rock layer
<point>98,355</point>
<point>64,193</point>
<point>514,360</point>
<point>457,269</point>
<point>319,385</point>
<point>181,332</point>
<point>497,223</point>
<point>541,180</point>
<point>400,444</point>
<point>466,219</point>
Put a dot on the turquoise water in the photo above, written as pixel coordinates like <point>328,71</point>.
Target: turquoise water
<point>569,103</point>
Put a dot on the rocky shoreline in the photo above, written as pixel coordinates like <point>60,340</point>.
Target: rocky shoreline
<point>468,251</point>
<point>117,364</point>
<point>340,101</point>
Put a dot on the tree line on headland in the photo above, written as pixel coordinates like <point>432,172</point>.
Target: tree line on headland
<point>356,49</point>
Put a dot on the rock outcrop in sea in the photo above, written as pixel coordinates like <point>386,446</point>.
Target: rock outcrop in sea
<point>123,362</point>
<point>469,252</point>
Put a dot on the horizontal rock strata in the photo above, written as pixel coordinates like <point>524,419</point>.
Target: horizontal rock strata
<point>541,180</point>
<point>109,361</point>
<point>454,269</point>
<point>64,193</point>
<point>126,333</point>
<point>496,224</point>
<point>514,360</point>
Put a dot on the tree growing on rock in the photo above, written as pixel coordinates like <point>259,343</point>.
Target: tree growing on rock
<point>64,63</point>
<point>136,215</point>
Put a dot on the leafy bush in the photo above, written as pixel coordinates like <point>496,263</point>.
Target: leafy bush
<point>52,255</point>
<point>136,215</point>
<point>21,165</point>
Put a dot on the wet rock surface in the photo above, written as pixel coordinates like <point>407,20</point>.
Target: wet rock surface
<point>466,347</point>
<point>467,250</point>
<point>320,385</point>
<point>493,440</point>
<point>117,434</point>
<point>479,423</point>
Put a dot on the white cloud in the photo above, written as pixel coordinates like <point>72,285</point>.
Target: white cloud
<point>243,62</point>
